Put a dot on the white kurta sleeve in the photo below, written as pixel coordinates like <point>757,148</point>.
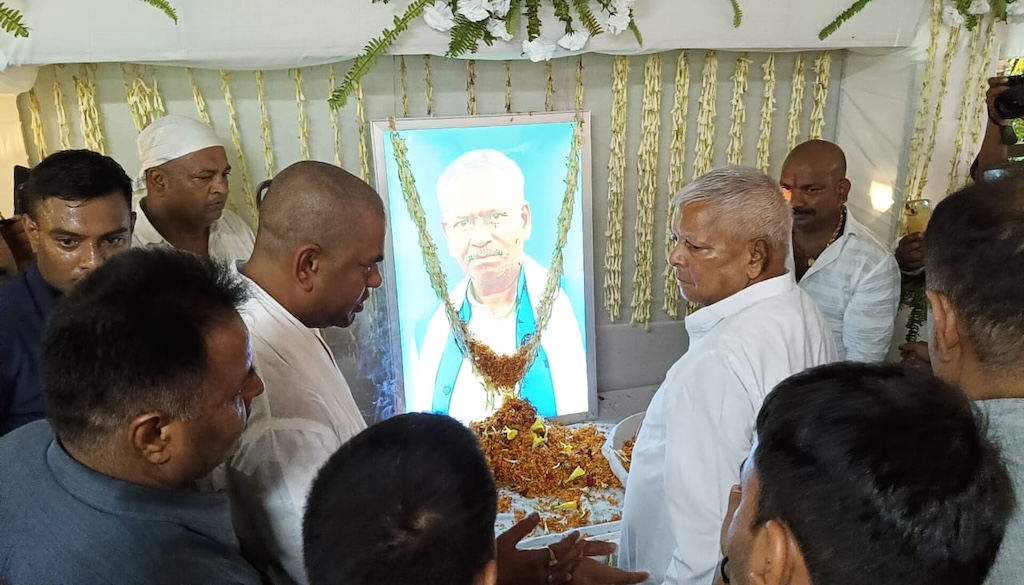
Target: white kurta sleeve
<point>709,425</point>
<point>870,316</point>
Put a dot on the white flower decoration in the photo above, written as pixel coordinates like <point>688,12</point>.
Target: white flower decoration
<point>498,7</point>
<point>952,17</point>
<point>498,29</point>
<point>622,5</point>
<point>1015,8</point>
<point>617,22</point>
<point>439,16</point>
<point>979,7</point>
<point>474,10</point>
<point>538,50</point>
<point>574,41</point>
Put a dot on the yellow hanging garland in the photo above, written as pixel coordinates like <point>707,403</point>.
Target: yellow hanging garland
<point>85,91</point>
<point>980,104</point>
<point>738,115</point>
<point>764,138</point>
<point>300,104</point>
<point>704,153</point>
<point>962,129</point>
<point>616,189</point>
<point>921,116</point>
<point>62,113</point>
<point>268,143</point>
<point>38,134</point>
<point>822,71</point>
<point>796,104</point>
<point>364,151</point>
<point>508,87</point>
<point>676,178</point>
<point>335,123</point>
<point>646,199</point>
<point>549,87</point>
<point>429,89</point>
<point>134,98</point>
<point>579,84</point>
<point>197,97</point>
<point>404,78</point>
<point>926,159</point>
<point>471,87</point>
<point>158,110</point>
<point>236,140</point>
<point>500,374</point>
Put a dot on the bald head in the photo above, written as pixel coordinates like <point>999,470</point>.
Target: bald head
<point>315,202</point>
<point>814,181</point>
<point>820,154</point>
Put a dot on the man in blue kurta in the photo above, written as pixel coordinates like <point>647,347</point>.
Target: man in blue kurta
<point>79,215</point>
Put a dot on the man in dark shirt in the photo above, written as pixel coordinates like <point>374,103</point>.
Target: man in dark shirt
<point>78,205</point>
<point>148,377</point>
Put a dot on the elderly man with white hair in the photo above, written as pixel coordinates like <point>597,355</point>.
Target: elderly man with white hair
<point>486,221</point>
<point>183,185</point>
<point>754,328</point>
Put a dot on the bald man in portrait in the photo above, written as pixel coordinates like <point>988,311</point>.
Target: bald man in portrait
<point>851,276</point>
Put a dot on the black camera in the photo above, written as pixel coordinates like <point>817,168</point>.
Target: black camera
<point>1010,104</point>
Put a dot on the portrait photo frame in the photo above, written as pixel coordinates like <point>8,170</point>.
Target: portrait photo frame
<point>539,145</point>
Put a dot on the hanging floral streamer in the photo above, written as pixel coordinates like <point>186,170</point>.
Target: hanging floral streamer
<point>676,178</point>
<point>300,105</point>
<point>616,189</point>
<point>501,374</point>
<point>981,88</point>
<point>549,87</point>
<point>923,108</point>
<point>134,98</point>
<point>508,87</point>
<point>962,129</point>
<point>364,151</point>
<point>646,199</point>
<point>404,78</point>
<point>38,135</point>
<point>62,113</point>
<point>796,104</point>
<point>197,97</point>
<point>738,115</point>
<point>822,71</point>
<point>704,154</point>
<point>579,83</point>
<point>85,90</point>
<point>471,87</point>
<point>926,158</point>
<point>236,140</point>
<point>268,143</point>
<point>335,123</point>
<point>156,100</point>
<point>764,138</point>
<point>144,99</point>
<point>429,91</point>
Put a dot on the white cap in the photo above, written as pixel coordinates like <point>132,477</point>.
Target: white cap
<point>172,137</point>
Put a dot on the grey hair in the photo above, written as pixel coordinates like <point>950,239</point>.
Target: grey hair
<point>747,203</point>
<point>481,159</point>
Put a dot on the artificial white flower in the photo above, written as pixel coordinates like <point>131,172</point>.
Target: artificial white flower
<point>498,29</point>
<point>952,17</point>
<point>498,7</point>
<point>439,16</point>
<point>474,10</point>
<point>1015,8</point>
<point>575,40</point>
<point>979,7</point>
<point>617,22</point>
<point>622,5</point>
<point>538,50</point>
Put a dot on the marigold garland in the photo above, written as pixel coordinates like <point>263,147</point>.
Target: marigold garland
<point>85,90</point>
<point>236,140</point>
<point>300,106</point>
<point>197,97</point>
<point>676,179</point>
<point>268,148</point>
<point>62,113</point>
<point>499,373</point>
<point>738,115</point>
<point>646,199</point>
<point>764,138</point>
<point>38,133</point>
<point>616,189</point>
<point>796,104</point>
<point>335,122</point>
<point>822,72</point>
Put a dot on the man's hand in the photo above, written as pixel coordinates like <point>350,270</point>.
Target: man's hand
<point>910,252</point>
<point>915,354</point>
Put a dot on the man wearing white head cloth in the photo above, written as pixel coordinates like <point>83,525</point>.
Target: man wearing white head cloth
<point>184,183</point>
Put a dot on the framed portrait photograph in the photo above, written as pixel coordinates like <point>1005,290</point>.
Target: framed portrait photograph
<point>492,190</point>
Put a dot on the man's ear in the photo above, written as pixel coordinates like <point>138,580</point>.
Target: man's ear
<point>775,556</point>
<point>759,252</point>
<point>150,435</point>
<point>156,181</point>
<point>945,329</point>
<point>844,190</point>
<point>527,216</point>
<point>131,226</point>
<point>306,265</point>
<point>32,231</point>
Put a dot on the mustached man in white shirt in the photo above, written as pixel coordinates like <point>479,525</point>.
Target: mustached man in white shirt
<point>852,277</point>
<point>320,240</point>
<point>755,327</point>
<point>182,190</point>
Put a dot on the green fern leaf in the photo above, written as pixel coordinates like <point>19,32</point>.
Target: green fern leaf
<point>737,14</point>
<point>562,13</point>
<point>587,17</point>
<point>165,7</point>
<point>636,30</point>
<point>10,21</point>
<point>372,52</point>
<point>532,19</point>
<point>842,18</point>
<point>466,36</point>
<point>512,18</point>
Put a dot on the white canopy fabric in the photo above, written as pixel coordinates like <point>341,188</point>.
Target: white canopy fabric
<point>270,34</point>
